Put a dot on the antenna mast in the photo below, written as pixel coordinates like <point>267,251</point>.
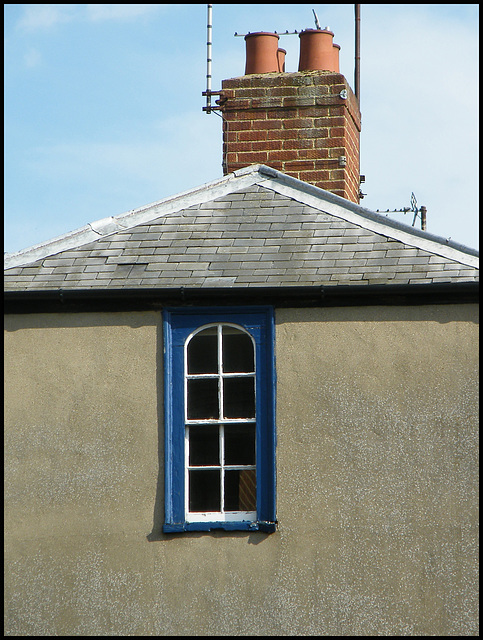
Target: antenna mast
<point>208,93</point>
<point>209,27</point>
<point>420,212</point>
<point>317,24</point>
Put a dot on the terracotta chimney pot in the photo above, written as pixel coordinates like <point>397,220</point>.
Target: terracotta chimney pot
<point>281,60</point>
<point>335,54</point>
<point>317,51</point>
<point>262,52</point>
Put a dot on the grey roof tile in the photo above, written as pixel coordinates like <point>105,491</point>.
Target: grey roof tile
<point>273,231</point>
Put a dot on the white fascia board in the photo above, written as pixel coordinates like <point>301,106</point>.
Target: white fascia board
<point>341,208</point>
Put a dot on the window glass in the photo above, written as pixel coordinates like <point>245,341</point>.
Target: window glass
<point>240,444</point>
<point>240,490</point>
<point>204,445</point>
<point>237,351</point>
<point>202,400</point>
<point>204,490</point>
<point>239,398</point>
<point>203,352</point>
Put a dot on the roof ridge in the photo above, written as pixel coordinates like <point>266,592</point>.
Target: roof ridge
<point>253,174</point>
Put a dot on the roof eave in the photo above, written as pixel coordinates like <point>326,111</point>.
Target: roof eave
<point>142,299</point>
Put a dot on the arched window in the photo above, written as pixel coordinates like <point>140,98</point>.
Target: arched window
<point>220,405</point>
<point>219,397</point>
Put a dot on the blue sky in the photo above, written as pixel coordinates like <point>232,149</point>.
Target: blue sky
<point>103,106</point>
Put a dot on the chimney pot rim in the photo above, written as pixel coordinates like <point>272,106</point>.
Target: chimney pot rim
<point>262,33</point>
<point>307,31</point>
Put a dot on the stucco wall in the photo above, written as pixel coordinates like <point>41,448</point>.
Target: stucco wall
<point>376,470</point>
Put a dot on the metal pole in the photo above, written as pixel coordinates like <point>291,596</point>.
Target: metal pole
<point>423,211</point>
<point>357,78</point>
<point>209,27</point>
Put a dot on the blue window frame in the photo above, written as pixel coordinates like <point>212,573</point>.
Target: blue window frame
<point>219,409</point>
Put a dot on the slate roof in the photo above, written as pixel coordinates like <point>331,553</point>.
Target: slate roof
<point>254,227</point>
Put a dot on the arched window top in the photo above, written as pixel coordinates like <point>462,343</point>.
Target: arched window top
<point>220,348</point>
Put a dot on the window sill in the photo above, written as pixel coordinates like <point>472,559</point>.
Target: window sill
<point>264,526</point>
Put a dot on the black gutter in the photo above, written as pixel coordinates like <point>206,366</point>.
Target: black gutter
<point>84,300</point>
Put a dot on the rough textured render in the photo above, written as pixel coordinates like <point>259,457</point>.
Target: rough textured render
<point>255,227</point>
<point>377,491</point>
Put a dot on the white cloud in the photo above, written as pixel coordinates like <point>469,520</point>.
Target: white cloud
<point>419,118</point>
<point>32,58</point>
<point>44,16</point>
<point>97,12</point>
<point>134,172</point>
<point>89,180</point>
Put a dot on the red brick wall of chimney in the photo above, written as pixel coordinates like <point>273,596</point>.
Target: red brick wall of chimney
<point>297,123</point>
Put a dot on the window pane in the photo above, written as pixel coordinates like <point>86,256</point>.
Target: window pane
<point>204,445</point>
<point>239,397</point>
<point>240,444</point>
<point>203,399</point>
<point>240,490</point>
<point>204,490</point>
<point>203,352</point>
<point>237,351</point>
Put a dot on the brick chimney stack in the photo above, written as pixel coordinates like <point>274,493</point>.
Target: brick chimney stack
<point>305,124</point>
